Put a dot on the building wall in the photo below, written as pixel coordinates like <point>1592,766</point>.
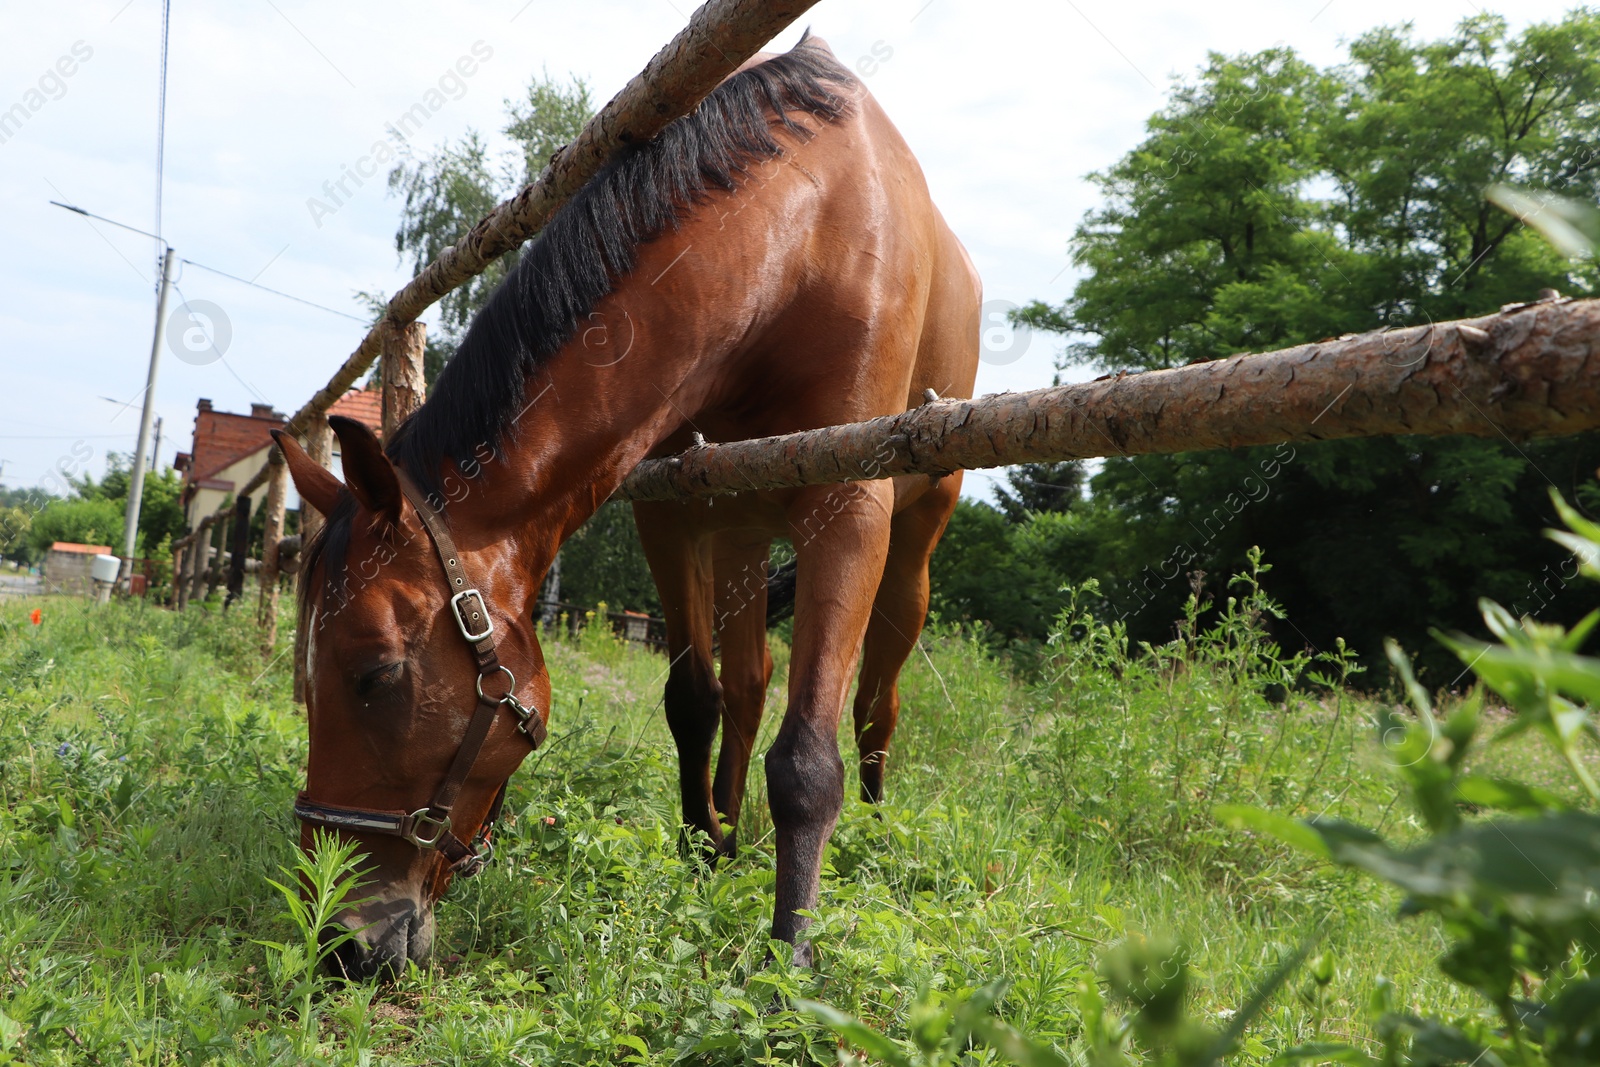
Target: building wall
<point>67,572</point>
<point>206,501</point>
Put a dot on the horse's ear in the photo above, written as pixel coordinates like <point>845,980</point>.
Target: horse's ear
<point>368,474</point>
<point>314,482</point>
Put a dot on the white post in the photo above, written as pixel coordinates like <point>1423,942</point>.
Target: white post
<point>130,527</point>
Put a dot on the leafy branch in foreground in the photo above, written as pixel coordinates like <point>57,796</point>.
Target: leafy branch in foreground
<point>1514,892</point>
<point>941,1033</point>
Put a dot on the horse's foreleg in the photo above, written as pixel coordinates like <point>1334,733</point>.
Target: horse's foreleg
<point>841,536</point>
<point>741,615</point>
<point>681,566</point>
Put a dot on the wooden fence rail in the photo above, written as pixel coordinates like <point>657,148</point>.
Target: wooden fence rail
<point>1531,370</point>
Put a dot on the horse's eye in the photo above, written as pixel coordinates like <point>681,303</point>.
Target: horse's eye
<point>375,679</point>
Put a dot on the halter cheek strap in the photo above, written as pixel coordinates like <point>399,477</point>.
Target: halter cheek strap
<point>429,827</point>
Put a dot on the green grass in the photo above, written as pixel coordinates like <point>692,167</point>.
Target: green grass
<point>147,761</point>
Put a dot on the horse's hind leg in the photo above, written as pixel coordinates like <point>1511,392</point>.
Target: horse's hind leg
<point>680,562</point>
<point>898,613</point>
<point>741,614</point>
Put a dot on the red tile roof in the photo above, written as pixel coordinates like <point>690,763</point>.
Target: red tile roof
<point>363,405</point>
<point>88,550</point>
<point>222,438</point>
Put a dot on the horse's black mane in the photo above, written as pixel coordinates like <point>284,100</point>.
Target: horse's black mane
<point>594,241</point>
<point>578,258</point>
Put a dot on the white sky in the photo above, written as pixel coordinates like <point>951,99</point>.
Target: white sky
<point>1008,105</point>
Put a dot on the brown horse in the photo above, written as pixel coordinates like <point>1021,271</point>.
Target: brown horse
<point>770,263</point>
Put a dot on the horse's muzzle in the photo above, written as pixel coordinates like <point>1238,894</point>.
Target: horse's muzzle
<point>388,935</point>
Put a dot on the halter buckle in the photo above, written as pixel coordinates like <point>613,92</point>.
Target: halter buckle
<point>421,818</point>
<point>459,608</point>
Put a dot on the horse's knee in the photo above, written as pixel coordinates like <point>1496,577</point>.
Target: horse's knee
<point>805,780</point>
<point>691,700</point>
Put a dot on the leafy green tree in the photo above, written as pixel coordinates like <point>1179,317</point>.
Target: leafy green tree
<point>86,521</point>
<point>1008,575</point>
<point>1038,487</point>
<point>446,192</point>
<point>96,511</point>
<point>603,561</point>
<point>1273,203</point>
<point>161,514</point>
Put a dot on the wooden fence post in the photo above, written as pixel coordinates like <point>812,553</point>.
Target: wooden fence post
<point>403,383</point>
<point>199,556</point>
<point>179,558</point>
<point>277,475</point>
<point>240,549</point>
<point>219,549</point>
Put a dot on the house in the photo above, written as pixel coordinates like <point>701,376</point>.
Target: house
<point>229,448</point>
<point>67,564</point>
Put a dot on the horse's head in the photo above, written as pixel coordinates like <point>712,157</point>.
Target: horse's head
<point>393,687</point>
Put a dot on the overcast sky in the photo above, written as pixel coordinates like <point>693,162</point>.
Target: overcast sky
<point>1007,104</point>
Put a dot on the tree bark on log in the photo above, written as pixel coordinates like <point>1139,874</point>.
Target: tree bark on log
<point>403,385</point>
<point>267,615</point>
<point>721,35</point>
<point>1531,370</point>
<point>218,542</point>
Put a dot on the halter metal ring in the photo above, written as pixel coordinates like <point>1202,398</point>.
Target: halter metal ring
<point>420,818</point>
<point>511,680</point>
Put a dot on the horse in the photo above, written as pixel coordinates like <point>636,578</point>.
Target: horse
<point>772,262</point>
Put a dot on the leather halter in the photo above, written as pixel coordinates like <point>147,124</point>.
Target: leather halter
<point>429,827</point>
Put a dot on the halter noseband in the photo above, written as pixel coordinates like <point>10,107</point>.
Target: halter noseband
<point>429,827</point>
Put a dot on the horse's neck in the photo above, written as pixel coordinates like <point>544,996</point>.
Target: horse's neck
<point>637,369</point>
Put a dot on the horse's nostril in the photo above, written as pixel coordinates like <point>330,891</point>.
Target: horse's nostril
<point>349,959</point>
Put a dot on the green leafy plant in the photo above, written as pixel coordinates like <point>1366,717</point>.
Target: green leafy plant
<point>1508,870</point>
<point>941,1031</point>
<point>316,888</point>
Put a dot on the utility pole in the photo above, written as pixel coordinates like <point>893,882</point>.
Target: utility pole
<point>130,530</point>
<point>155,453</point>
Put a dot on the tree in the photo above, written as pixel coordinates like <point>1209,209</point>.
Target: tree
<point>603,561</point>
<point>161,515</point>
<point>86,521</point>
<point>1038,487</point>
<point>18,506</point>
<point>1272,204</point>
<point>96,511</point>
<point>447,192</point>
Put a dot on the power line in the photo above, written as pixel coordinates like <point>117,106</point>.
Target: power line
<point>232,277</point>
<point>64,436</point>
<point>223,359</point>
<point>275,292</point>
<point>102,218</point>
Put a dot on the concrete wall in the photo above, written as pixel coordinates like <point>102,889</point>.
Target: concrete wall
<point>68,572</point>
